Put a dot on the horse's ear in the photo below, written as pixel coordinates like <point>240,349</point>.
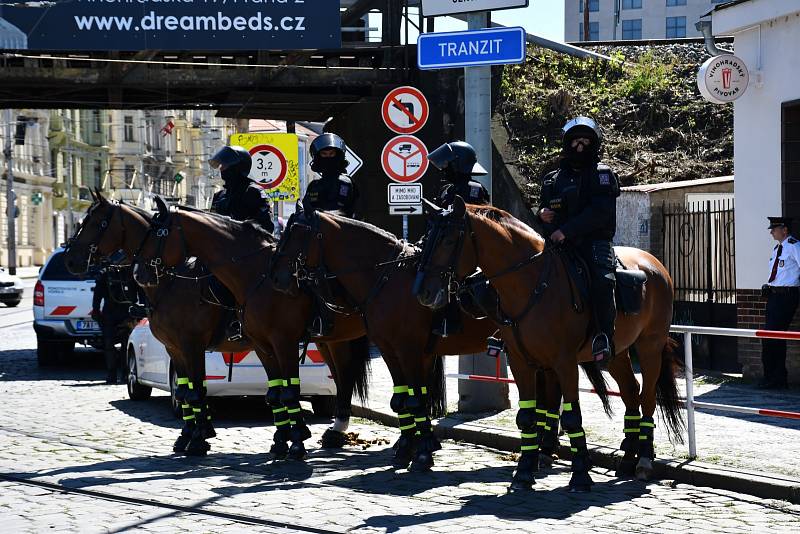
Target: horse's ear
<point>100,197</point>
<point>430,207</point>
<point>94,195</point>
<point>459,207</point>
<point>163,210</point>
<point>298,206</point>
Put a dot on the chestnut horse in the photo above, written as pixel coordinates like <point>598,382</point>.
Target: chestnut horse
<point>239,255</point>
<point>547,327</point>
<point>109,227</point>
<point>376,270</point>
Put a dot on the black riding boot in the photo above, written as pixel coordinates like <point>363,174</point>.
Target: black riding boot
<point>603,304</point>
<point>448,322</point>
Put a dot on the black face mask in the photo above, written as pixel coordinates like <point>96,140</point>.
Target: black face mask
<point>327,167</point>
<point>231,177</point>
<point>582,158</point>
<point>454,177</point>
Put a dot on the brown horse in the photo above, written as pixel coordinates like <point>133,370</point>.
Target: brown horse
<point>376,271</point>
<point>109,227</point>
<point>545,326</point>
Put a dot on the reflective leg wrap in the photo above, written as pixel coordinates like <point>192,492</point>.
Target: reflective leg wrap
<point>527,421</point>
<point>280,417</point>
<point>572,422</point>
<point>399,398</point>
<point>427,443</point>
<point>197,444</point>
<point>547,423</point>
<point>188,428</point>
<point>646,428</point>
<point>182,389</point>
<point>194,394</point>
<point>290,397</point>
<point>630,444</point>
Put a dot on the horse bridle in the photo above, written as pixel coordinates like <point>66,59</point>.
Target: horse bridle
<point>161,229</point>
<point>298,265</point>
<point>104,225</point>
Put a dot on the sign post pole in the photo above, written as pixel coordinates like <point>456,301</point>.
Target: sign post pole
<point>474,396</point>
<point>11,230</point>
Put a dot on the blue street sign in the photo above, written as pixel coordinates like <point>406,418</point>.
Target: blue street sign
<point>492,46</point>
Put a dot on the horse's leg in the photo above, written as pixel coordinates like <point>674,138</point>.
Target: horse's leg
<point>419,404</point>
<point>405,445</point>
<point>649,350</point>
<point>280,417</point>
<point>525,377</point>
<point>622,372</point>
<point>571,420</point>
<point>290,397</point>
<point>547,414</point>
<point>198,446</point>
<point>181,392</point>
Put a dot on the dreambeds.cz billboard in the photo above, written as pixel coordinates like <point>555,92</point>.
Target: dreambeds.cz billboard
<point>171,24</point>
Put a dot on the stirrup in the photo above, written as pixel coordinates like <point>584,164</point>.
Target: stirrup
<point>235,331</point>
<point>601,348</point>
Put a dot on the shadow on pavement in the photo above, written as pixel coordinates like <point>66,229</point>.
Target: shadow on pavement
<point>83,365</point>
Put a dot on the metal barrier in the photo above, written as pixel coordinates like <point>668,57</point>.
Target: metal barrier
<point>689,403</point>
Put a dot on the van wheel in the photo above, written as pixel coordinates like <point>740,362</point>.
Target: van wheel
<point>136,391</point>
<point>46,352</point>
<point>177,411</point>
<point>324,405</point>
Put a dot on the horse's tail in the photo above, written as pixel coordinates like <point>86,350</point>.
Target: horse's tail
<point>437,393</point>
<point>598,380</point>
<point>360,367</point>
<point>667,396</point>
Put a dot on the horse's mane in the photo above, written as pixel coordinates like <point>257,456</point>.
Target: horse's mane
<point>504,219</point>
<point>233,225</point>
<point>347,221</point>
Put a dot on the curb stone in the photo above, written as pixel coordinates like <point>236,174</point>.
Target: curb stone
<point>696,473</point>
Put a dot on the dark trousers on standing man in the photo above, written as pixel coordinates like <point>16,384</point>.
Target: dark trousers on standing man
<point>781,305</point>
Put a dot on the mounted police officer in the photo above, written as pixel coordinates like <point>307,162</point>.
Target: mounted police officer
<point>782,294</point>
<point>459,162</point>
<point>241,198</point>
<point>579,205</point>
<point>334,190</point>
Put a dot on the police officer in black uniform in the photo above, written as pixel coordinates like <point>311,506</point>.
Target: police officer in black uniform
<point>579,205</point>
<point>334,190</point>
<point>114,319</point>
<point>459,163</point>
<point>782,294</point>
<point>241,198</point>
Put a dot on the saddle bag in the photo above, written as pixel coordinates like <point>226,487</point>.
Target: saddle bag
<point>630,290</point>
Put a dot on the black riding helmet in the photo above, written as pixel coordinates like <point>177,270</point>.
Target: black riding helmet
<point>236,160</point>
<point>583,127</point>
<point>328,141</point>
<point>459,157</point>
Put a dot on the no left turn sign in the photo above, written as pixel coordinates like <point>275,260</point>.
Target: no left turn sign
<point>269,166</point>
<point>405,110</point>
<point>405,159</point>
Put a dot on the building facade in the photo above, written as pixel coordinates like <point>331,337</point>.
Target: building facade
<point>33,172</point>
<point>766,152</point>
<point>611,20</point>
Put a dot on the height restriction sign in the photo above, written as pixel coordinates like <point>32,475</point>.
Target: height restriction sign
<point>405,159</point>
<point>275,163</point>
<point>405,110</point>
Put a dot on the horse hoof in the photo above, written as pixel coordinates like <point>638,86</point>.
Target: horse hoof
<point>580,482</point>
<point>421,464</point>
<point>209,432</point>
<point>545,461</point>
<point>297,451</point>
<point>279,450</point>
<point>644,469</point>
<point>626,468</point>
<point>181,443</point>
<point>332,439</point>
<point>521,484</point>
<point>197,448</point>
<point>580,488</point>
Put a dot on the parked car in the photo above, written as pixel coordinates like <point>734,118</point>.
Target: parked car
<point>149,366</point>
<point>10,289</point>
<point>62,305</point>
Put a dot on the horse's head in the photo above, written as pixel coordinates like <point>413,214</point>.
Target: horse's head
<point>162,248</point>
<point>295,254</point>
<point>444,263</point>
<point>99,235</point>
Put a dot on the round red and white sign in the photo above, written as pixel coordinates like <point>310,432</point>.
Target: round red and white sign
<point>723,79</point>
<point>405,110</point>
<point>269,166</point>
<point>405,159</point>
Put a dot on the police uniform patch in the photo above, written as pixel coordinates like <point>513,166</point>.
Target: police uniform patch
<point>344,189</point>
<point>474,192</point>
<point>605,178</point>
<point>780,263</point>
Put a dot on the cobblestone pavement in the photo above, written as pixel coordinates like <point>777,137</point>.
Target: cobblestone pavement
<point>109,459</point>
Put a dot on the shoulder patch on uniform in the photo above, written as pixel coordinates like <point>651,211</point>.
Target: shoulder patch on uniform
<point>344,189</point>
<point>792,240</point>
<point>604,178</point>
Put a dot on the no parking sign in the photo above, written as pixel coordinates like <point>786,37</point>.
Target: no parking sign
<point>275,163</point>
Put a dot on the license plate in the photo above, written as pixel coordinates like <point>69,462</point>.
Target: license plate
<point>87,325</point>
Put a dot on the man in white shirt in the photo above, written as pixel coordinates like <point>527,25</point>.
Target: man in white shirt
<point>782,294</point>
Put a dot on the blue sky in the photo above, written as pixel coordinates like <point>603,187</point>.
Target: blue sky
<point>544,18</point>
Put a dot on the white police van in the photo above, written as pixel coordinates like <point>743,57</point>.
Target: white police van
<point>149,366</point>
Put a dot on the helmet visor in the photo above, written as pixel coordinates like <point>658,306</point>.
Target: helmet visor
<point>224,157</point>
<point>442,156</point>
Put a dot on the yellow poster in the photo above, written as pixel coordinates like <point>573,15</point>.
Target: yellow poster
<point>275,163</point>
